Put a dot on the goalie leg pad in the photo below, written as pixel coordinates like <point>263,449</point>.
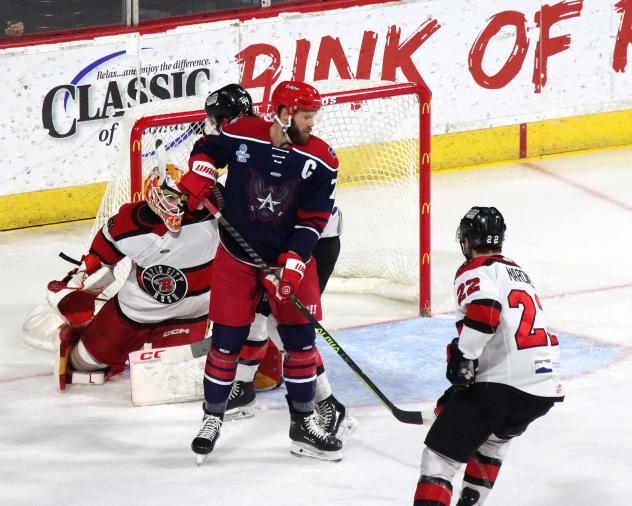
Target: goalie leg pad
<point>156,382</point>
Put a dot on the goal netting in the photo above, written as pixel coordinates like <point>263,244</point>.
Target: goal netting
<point>378,131</point>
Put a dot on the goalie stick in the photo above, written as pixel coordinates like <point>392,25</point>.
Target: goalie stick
<point>69,259</point>
<point>413,417</point>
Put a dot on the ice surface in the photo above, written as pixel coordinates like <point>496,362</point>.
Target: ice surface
<point>569,221</point>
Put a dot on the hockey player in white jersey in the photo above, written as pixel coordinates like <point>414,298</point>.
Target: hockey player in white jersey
<point>504,366</point>
<point>164,300</point>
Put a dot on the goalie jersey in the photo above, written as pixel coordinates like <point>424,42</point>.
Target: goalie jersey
<point>170,277</point>
<point>501,322</point>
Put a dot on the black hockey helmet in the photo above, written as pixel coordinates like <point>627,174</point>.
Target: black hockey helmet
<point>228,103</point>
<point>483,227</point>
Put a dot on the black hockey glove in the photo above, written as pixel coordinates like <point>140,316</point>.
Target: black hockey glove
<point>460,371</point>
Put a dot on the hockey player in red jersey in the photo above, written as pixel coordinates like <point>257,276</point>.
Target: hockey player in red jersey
<point>504,366</point>
<point>279,195</point>
<point>164,300</point>
<point>259,359</point>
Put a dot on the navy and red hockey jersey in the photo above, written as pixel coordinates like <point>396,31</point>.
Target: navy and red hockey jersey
<point>278,199</point>
<point>170,276</point>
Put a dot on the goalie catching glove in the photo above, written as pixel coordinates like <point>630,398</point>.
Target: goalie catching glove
<point>74,296</point>
<point>289,277</point>
<point>461,371</point>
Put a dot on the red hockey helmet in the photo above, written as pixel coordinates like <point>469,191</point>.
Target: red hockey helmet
<point>295,95</point>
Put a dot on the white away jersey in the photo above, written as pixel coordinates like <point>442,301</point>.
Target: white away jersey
<point>334,225</point>
<point>501,322</point>
<point>171,271</point>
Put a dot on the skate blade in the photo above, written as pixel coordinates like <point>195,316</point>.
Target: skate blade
<point>200,458</point>
<point>302,450</point>
<point>347,428</point>
<point>240,413</point>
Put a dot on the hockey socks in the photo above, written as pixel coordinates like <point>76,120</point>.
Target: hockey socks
<point>482,471</point>
<point>221,365</point>
<point>432,491</point>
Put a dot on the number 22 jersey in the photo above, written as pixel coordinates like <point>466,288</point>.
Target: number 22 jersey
<point>501,322</point>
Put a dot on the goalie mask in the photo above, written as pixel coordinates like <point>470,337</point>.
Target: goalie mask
<point>227,103</point>
<point>484,228</point>
<point>163,197</point>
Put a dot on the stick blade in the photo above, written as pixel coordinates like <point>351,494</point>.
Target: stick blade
<point>412,417</point>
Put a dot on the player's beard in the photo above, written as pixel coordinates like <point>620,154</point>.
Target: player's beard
<point>298,136</point>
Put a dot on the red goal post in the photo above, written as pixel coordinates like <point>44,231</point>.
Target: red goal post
<point>381,134</point>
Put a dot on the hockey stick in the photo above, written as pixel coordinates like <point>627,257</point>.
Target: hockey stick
<point>413,417</point>
<point>69,259</point>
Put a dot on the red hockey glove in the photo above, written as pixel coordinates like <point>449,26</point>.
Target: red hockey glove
<point>197,184</point>
<point>289,278</point>
<point>460,371</point>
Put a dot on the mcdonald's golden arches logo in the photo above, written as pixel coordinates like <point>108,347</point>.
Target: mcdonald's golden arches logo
<point>425,108</point>
<point>425,258</point>
<point>425,208</point>
<point>136,146</point>
<point>425,158</point>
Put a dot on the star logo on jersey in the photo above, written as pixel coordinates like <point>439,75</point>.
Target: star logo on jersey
<point>164,283</point>
<point>242,154</point>
<point>268,203</point>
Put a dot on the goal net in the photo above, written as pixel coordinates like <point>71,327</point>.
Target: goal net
<point>381,134</point>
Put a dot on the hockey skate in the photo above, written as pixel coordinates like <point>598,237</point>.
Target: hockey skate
<point>333,418</point>
<point>241,401</point>
<point>309,439</point>
<point>208,435</point>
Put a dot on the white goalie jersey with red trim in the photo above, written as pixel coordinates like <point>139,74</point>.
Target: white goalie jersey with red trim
<point>501,322</point>
<point>171,271</point>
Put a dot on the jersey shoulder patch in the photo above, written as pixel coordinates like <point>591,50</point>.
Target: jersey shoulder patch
<point>319,149</point>
<point>248,127</point>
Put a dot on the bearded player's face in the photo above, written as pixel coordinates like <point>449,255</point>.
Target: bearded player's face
<point>301,127</point>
